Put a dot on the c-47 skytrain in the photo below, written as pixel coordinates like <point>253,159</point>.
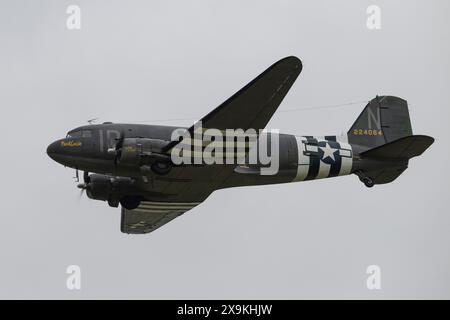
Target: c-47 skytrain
<point>157,173</point>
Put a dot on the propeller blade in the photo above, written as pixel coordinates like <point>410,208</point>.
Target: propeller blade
<point>86,177</point>
<point>118,148</point>
<point>77,177</point>
<point>119,143</point>
<point>83,186</point>
<point>81,194</point>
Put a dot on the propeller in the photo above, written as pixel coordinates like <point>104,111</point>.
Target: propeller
<point>83,186</point>
<point>77,177</point>
<point>80,194</point>
<point>86,177</point>
<point>117,149</point>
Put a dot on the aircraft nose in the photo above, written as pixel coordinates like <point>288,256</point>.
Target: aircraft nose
<point>53,149</point>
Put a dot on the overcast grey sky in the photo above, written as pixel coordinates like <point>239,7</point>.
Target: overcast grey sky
<point>147,60</point>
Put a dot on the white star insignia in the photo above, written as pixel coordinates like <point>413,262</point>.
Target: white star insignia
<point>328,152</point>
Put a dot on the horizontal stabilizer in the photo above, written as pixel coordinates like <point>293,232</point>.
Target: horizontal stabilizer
<point>403,148</point>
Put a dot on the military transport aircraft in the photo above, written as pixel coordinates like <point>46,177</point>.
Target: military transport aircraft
<point>133,164</point>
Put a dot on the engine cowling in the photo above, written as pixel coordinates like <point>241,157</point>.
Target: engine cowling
<point>141,151</point>
<point>115,190</point>
<point>107,188</point>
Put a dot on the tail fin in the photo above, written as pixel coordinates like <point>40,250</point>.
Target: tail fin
<point>384,119</point>
<point>383,136</point>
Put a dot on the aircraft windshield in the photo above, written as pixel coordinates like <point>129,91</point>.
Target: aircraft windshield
<point>74,134</point>
<point>79,134</point>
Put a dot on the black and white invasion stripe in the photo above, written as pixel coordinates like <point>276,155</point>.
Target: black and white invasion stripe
<point>323,157</point>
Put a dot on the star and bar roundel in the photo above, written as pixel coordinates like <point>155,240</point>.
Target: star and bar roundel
<point>322,158</point>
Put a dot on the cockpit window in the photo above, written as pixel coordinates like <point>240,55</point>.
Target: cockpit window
<point>80,134</point>
<point>74,134</point>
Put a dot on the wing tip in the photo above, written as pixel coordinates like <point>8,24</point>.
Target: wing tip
<point>291,62</point>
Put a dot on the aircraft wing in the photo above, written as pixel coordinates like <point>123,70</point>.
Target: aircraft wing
<point>149,216</point>
<point>254,105</point>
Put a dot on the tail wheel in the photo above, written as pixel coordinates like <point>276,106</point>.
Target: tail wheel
<point>161,168</point>
<point>130,202</point>
<point>368,182</point>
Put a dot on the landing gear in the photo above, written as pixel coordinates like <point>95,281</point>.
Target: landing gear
<point>368,181</point>
<point>130,202</point>
<point>113,203</point>
<point>161,168</point>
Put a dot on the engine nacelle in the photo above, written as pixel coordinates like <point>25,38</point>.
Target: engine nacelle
<point>107,188</point>
<point>139,151</point>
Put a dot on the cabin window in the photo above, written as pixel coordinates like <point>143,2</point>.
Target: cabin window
<point>87,134</point>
